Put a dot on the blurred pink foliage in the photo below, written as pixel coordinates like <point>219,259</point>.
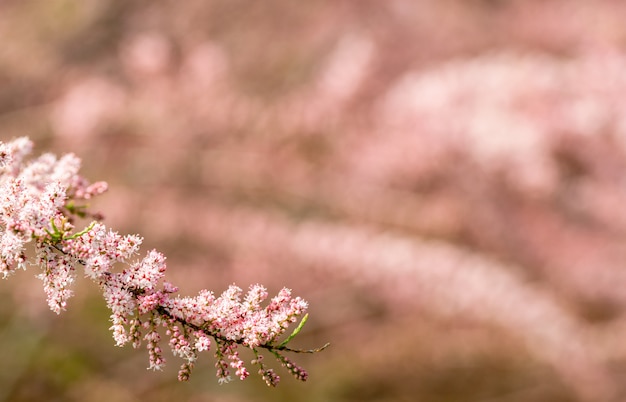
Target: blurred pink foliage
<point>446,176</point>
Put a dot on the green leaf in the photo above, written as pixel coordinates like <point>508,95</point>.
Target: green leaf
<point>82,232</point>
<point>56,234</point>
<point>295,331</point>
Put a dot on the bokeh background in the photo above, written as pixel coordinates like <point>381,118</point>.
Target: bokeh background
<point>444,181</point>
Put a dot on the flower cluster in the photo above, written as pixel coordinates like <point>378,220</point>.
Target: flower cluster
<point>39,203</point>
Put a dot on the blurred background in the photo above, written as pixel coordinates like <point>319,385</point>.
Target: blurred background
<point>443,181</point>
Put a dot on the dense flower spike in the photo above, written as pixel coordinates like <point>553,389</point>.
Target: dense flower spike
<point>39,203</point>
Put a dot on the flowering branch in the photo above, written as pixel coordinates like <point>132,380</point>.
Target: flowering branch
<point>39,203</point>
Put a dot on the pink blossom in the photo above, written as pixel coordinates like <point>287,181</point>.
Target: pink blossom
<point>58,276</point>
<point>146,273</point>
<point>203,342</point>
<point>40,200</point>
<point>155,353</point>
<point>11,253</point>
<point>13,153</point>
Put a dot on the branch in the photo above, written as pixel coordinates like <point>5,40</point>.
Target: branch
<point>39,202</point>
